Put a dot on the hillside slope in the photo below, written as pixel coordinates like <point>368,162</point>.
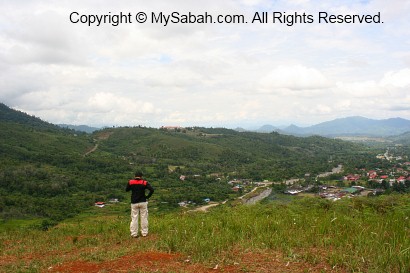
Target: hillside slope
<point>403,139</point>
<point>205,150</point>
<point>8,114</point>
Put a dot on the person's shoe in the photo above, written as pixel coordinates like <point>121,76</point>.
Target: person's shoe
<point>144,235</point>
<point>134,236</point>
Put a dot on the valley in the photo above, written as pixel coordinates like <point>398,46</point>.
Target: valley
<point>52,166</point>
<point>51,178</point>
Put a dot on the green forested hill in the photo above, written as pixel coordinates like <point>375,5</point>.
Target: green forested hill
<point>8,114</point>
<point>403,139</point>
<point>250,155</point>
<point>56,173</point>
<point>26,143</point>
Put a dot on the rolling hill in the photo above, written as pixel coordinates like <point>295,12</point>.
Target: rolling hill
<point>44,167</point>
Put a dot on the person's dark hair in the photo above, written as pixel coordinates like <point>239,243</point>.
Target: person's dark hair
<point>138,174</point>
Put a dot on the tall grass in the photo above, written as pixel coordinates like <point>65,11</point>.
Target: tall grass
<point>357,235</point>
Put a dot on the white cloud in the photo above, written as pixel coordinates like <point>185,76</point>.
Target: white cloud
<point>296,77</point>
<point>108,102</point>
<point>213,74</point>
<point>397,79</point>
<point>359,90</point>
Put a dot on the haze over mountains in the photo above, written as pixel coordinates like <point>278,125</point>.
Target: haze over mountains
<point>81,128</point>
<point>349,126</point>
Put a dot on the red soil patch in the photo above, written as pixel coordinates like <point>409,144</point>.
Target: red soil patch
<point>104,135</point>
<point>237,260</point>
<point>263,262</point>
<point>143,262</point>
<point>7,259</point>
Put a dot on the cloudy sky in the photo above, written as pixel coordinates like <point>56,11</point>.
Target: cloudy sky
<point>211,74</point>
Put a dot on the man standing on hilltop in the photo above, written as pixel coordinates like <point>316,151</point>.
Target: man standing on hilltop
<point>139,204</point>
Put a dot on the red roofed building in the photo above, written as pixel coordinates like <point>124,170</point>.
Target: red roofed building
<point>372,174</point>
<point>100,204</point>
<point>352,177</point>
<point>401,179</point>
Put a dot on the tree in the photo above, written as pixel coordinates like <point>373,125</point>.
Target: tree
<point>385,185</point>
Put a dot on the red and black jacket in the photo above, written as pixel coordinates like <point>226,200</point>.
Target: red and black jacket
<point>138,187</point>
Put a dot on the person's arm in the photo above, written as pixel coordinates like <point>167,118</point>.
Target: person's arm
<point>128,188</point>
<point>151,190</point>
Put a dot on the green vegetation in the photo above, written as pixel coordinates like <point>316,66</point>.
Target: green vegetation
<point>51,177</point>
<point>361,233</point>
<point>56,173</point>
<point>353,235</point>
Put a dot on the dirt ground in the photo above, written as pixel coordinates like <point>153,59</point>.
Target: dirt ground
<point>166,262</point>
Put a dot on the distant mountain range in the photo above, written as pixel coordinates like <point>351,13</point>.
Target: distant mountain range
<point>349,126</point>
<point>81,128</point>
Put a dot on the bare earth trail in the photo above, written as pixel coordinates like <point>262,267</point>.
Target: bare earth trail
<point>92,150</point>
<point>335,170</point>
<point>101,136</point>
<point>214,204</point>
<point>206,207</point>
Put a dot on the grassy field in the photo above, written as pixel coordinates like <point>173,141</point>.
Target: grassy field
<point>305,235</point>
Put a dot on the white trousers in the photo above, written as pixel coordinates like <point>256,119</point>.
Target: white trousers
<point>137,210</point>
